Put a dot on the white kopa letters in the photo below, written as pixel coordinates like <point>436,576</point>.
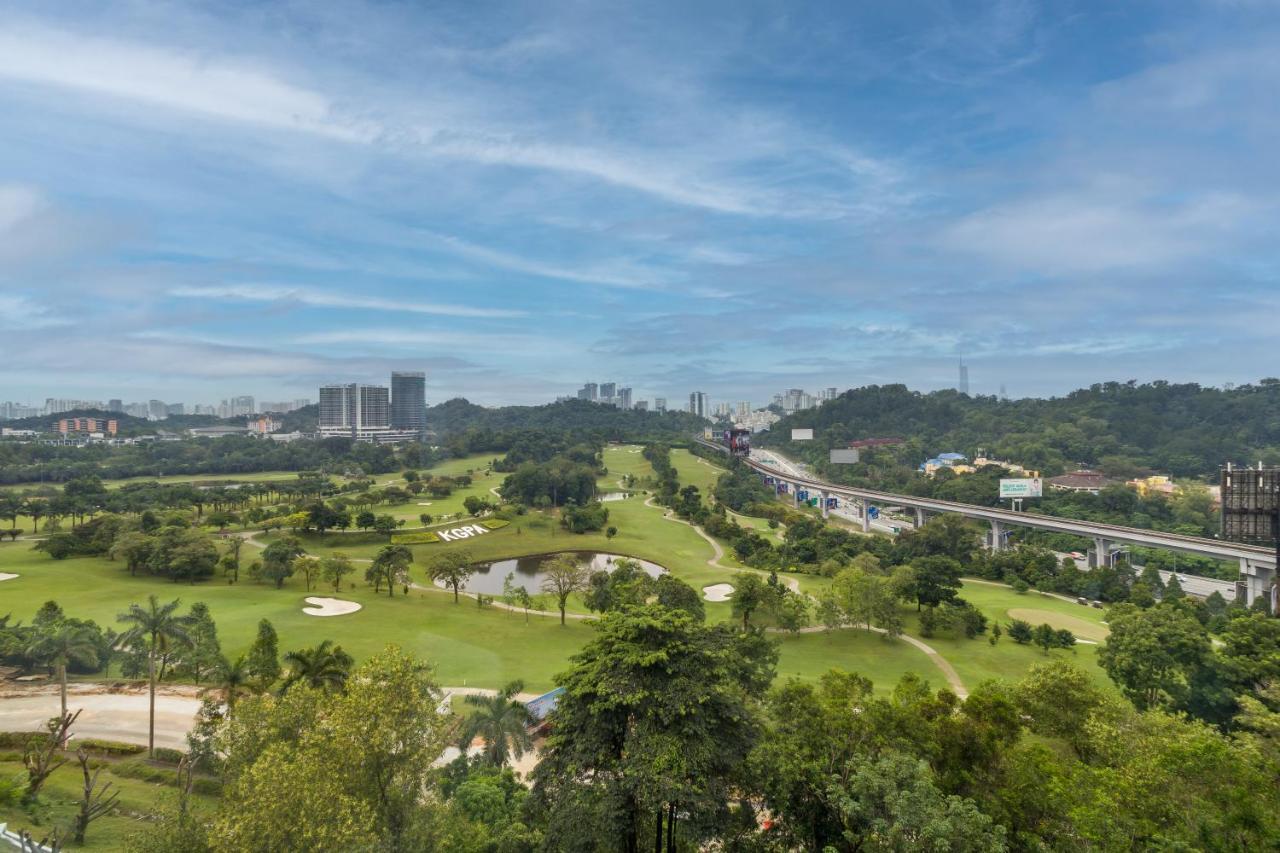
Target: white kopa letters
<point>464,532</point>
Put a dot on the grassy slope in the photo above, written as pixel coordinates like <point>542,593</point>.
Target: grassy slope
<point>61,795</point>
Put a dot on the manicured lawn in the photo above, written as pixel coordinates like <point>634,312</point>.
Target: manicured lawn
<point>809,656</point>
<point>61,794</point>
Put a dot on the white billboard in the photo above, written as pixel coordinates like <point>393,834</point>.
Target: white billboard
<point>802,435</point>
<point>1022,487</point>
<point>844,457</point>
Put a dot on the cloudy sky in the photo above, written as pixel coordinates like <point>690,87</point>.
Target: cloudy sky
<point>199,200</point>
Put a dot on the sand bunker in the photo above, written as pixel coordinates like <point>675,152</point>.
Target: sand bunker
<point>717,592</point>
<point>330,607</point>
<point>6,576</point>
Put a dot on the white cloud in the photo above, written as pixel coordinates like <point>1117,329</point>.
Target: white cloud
<point>187,82</point>
<point>1096,231</point>
<point>620,274</point>
<point>17,205</point>
<point>325,299</point>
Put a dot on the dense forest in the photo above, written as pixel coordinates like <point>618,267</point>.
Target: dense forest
<point>1123,429</point>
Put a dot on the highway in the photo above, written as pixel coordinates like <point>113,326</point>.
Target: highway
<point>1257,564</point>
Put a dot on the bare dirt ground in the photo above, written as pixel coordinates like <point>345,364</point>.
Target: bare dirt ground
<point>109,711</point>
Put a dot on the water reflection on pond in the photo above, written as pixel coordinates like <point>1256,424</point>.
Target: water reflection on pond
<point>527,571</point>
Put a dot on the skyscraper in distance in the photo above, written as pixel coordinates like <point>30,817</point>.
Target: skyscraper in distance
<point>409,401</point>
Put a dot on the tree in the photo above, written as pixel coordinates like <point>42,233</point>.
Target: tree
<point>750,593</point>
<point>563,576</point>
<point>653,726</point>
<point>676,594</point>
<point>1045,637</point>
<point>502,722</point>
<point>94,801</point>
<point>451,568</point>
<point>610,532</point>
<point>59,644</point>
<point>278,559</point>
<point>40,754</point>
<point>134,547</point>
<point>203,653</point>
<point>324,667</point>
<point>334,567</point>
<point>359,778</point>
<point>386,524</point>
<point>264,656</point>
<point>232,679</point>
<point>365,520</point>
<point>160,628</point>
<point>937,579</point>
<point>1173,589</point>
<point>1150,654</point>
<point>1020,632</point>
<point>309,567</point>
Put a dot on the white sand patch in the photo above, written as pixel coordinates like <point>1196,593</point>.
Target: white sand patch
<point>424,503</point>
<point>6,576</point>
<point>717,592</point>
<point>330,607</point>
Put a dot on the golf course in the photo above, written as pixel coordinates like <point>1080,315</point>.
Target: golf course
<point>488,646</point>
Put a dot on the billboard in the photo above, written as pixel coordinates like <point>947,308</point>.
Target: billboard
<point>802,435</point>
<point>1022,487</point>
<point>844,457</point>
<point>1251,504</point>
<point>738,441</point>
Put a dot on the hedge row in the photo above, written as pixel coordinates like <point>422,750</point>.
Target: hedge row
<point>430,538</point>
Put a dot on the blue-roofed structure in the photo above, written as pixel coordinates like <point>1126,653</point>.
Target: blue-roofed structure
<point>546,703</point>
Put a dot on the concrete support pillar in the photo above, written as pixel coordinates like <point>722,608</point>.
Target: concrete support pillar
<point>822,498</point>
<point>866,518</point>
<point>1101,553</point>
<point>1258,581</point>
<point>795,494</point>
<point>997,536</point>
<point>920,519</point>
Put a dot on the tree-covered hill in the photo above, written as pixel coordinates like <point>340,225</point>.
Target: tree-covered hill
<point>573,416</point>
<point>1122,428</point>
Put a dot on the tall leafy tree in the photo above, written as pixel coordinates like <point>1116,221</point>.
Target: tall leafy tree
<point>653,726</point>
<point>159,627</point>
<point>1151,654</point>
<point>264,655</point>
<point>563,576</point>
<point>451,568</point>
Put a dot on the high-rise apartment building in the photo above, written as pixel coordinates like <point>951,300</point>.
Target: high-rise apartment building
<point>660,404</point>
<point>409,402</point>
<point>589,391</point>
<point>698,404</point>
<point>115,405</point>
<point>608,389</point>
<point>642,405</point>
<point>623,398</point>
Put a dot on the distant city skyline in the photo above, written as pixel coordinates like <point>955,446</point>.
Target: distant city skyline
<point>195,204</point>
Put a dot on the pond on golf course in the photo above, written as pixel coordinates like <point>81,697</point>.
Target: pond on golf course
<point>527,571</point>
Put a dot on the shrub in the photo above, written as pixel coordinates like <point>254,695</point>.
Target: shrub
<point>168,756</point>
<point>109,747</point>
<point>414,539</point>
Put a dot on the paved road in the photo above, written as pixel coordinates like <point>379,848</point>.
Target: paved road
<point>844,510</point>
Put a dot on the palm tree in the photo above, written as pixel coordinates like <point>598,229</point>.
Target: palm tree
<point>501,722</point>
<point>232,679</point>
<point>325,667</point>
<point>61,644</point>
<point>159,627</point>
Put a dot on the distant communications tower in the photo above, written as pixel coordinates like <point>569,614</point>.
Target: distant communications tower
<point>964,377</point>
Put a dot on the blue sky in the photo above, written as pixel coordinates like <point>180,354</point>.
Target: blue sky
<point>198,200</point>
